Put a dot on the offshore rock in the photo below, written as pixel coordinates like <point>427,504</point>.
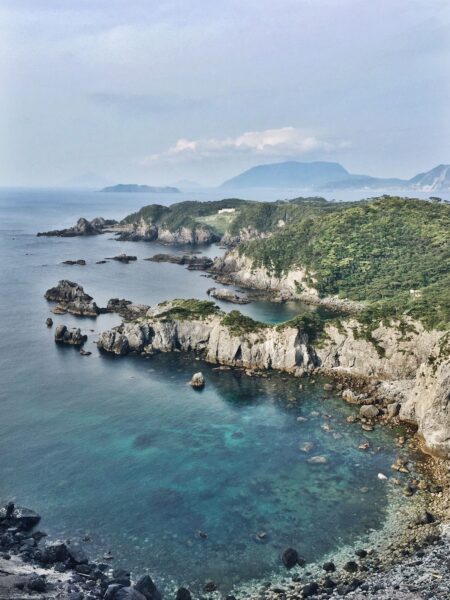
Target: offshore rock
<point>193,263</point>
<point>123,258</point>
<point>72,298</point>
<point>227,296</point>
<point>82,227</point>
<point>72,337</point>
<point>197,381</point>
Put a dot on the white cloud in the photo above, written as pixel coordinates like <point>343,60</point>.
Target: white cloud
<point>285,141</point>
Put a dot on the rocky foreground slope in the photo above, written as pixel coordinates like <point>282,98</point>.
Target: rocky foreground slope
<point>400,372</point>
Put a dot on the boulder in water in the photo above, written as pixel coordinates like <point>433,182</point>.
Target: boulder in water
<point>290,558</point>
<point>18,516</point>
<point>197,381</point>
<point>73,337</point>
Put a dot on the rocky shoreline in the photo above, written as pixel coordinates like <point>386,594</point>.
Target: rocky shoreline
<point>32,567</point>
<point>407,559</point>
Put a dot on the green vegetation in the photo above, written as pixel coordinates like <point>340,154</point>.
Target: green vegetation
<point>311,324</point>
<point>182,214</point>
<point>188,309</point>
<point>238,323</point>
<point>392,253</point>
<point>260,216</point>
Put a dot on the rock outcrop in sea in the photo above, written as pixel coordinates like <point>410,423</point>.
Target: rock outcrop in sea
<point>82,227</point>
<point>73,337</point>
<point>227,295</point>
<point>193,262</point>
<point>72,298</point>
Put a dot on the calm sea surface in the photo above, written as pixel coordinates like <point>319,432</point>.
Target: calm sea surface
<point>124,451</point>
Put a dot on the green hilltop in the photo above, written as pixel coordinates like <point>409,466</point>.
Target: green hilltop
<point>392,253</point>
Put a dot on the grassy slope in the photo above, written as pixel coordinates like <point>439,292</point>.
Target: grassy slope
<point>374,251</point>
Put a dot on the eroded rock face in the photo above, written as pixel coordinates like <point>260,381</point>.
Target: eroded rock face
<point>295,284</point>
<point>72,298</point>
<point>286,349</point>
<point>414,370</point>
<point>148,232</point>
<point>82,227</point>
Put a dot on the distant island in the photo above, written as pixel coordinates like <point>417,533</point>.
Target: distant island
<point>141,189</point>
<point>329,176</point>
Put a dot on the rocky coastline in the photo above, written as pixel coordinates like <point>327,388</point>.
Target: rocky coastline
<point>407,559</point>
<point>33,567</point>
<point>142,231</point>
<point>394,376</point>
<point>234,269</point>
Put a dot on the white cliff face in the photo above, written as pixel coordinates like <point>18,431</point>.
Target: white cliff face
<point>411,368</point>
<point>267,348</point>
<point>295,284</point>
<point>142,230</point>
<point>414,368</point>
<point>241,270</point>
<point>186,235</point>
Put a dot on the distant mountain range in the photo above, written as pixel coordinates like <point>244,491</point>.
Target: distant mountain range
<point>141,189</point>
<point>332,176</point>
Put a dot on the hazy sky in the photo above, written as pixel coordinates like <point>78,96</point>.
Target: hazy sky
<point>156,91</point>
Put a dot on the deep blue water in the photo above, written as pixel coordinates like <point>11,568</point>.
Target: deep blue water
<point>125,451</point>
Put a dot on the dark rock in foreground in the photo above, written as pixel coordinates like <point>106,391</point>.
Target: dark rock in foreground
<point>73,337</point>
<point>72,298</point>
<point>289,558</point>
<point>18,516</point>
<point>83,227</point>
<point>30,568</point>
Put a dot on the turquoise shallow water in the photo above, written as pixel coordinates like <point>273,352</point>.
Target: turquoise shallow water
<point>125,451</point>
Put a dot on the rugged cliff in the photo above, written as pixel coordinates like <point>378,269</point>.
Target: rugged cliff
<point>403,364</point>
<point>296,283</point>
<point>142,230</point>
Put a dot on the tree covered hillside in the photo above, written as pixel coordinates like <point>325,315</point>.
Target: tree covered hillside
<point>391,251</point>
<point>260,216</point>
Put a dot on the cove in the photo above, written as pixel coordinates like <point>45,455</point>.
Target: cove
<point>141,463</point>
